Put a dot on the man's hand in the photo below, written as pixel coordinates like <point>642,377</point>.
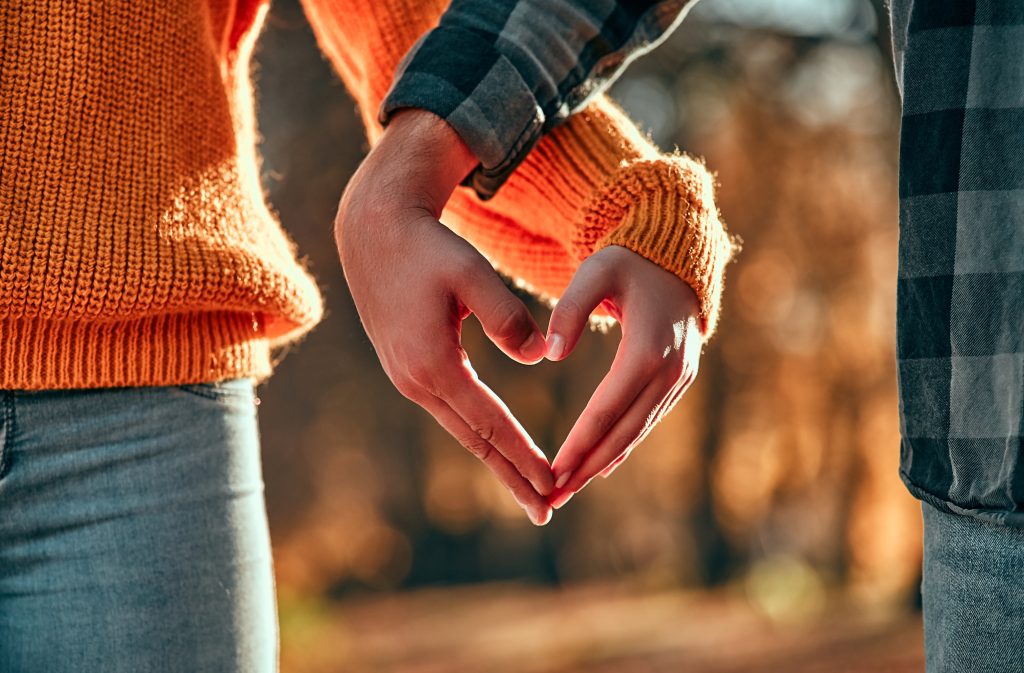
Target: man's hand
<point>654,365</point>
<point>414,281</point>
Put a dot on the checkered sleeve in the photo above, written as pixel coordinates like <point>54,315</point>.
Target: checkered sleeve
<point>960,321</point>
<point>503,72</point>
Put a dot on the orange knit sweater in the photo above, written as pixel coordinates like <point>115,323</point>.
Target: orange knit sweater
<point>135,245</point>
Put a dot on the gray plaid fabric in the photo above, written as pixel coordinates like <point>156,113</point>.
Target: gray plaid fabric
<point>961,281</point>
<point>503,72</point>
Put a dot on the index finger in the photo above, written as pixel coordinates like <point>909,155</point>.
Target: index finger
<point>489,418</point>
<point>536,505</point>
<point>628,376</point>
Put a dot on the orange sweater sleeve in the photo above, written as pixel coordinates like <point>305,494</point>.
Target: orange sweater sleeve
<point>592,182</point>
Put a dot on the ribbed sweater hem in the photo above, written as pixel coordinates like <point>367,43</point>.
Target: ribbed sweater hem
<point>39,354</point>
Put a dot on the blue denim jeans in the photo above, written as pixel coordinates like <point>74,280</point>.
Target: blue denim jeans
<point>133,531</point>
<point>973,593</point>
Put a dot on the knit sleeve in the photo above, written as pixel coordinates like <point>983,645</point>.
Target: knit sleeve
<point>592,182</point>
<point>504,72</point>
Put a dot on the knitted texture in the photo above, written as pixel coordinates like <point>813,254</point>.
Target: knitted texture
<point>135,244</point>
<point>594,181</point>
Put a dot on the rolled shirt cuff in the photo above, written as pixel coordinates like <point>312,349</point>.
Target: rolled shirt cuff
<point>478,92</point>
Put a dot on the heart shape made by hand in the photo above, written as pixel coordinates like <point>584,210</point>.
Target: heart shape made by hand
<point>655,363</point>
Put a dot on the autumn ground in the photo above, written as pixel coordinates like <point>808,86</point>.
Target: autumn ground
<point>516,629</point>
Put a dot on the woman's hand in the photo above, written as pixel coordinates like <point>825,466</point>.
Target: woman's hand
<point>655,363</point>
<point>414,281</point>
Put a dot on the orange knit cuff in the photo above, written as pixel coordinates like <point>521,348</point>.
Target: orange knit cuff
<point>664,210</point>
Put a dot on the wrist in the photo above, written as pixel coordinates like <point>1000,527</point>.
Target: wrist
<point>408,175</point>
<point>664,211</point>
<point>424,158</point>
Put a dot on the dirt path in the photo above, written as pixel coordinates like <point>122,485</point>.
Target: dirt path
<point>515,629</point>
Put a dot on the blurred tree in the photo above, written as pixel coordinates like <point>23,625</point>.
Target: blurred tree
<point>785,448</point>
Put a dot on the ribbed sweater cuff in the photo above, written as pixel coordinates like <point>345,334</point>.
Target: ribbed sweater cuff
<point>664,210</point>
<point>169,349</point>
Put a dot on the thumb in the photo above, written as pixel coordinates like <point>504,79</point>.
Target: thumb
<point>504,317</point>
<point>589,287</point>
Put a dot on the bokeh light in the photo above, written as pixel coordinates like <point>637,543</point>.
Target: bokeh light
<point>760,527</point>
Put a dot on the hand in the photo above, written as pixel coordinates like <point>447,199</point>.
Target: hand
<point>655,363</point>
<point>414,281</point>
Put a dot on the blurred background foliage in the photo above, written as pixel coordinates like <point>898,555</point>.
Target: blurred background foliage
<point>762,525</point>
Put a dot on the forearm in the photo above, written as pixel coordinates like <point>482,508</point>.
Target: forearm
<point>591,182</point>
<point>593,190</point>
<point>423,161</point>
<point>505,72</point>
<point>597,181</point>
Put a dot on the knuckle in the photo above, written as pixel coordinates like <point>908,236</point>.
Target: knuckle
<point>485,432</point>
<point>570,310</point>
<point>468,268</point>
<point>601,263</point>
<point>477,446</point>
<point>622,442</point>
<point>604,420</point>
<point>512,318</point>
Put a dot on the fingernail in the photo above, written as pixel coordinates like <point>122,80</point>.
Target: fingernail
<point>556,347</point>
<point>562,480</point>
<point>541,519</point>
<point>561,500</point>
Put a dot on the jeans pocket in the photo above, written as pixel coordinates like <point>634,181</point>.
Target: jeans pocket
<point>229,390</point>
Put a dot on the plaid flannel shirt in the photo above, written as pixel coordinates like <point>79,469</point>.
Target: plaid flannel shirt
<point>502,72</point>
<point>960,293</point>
